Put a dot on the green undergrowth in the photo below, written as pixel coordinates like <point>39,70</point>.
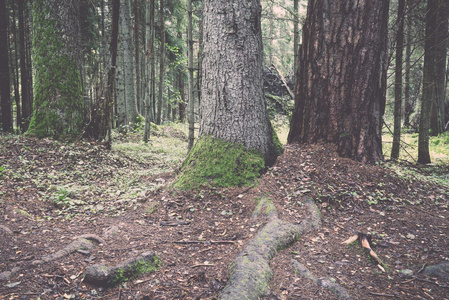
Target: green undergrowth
<point>438,147</point>
<point>436,172</point>
<point>213,162</point>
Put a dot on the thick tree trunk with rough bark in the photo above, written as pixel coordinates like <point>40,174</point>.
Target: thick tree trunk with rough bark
<point>233,108</point>
<point>58,104</point>
<point>340,95</point>
<point>440,36</point>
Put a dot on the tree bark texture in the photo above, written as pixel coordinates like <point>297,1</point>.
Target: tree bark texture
<point>25,79</point>
<point>398,82</point>
<point>233,108</point>
<point>58,109</point>
<point>128,62</point>
<point>191,118</point>
<point>161,63</point>
<point>149,97</point>
<point>439,37</point>
<point>340,95</point>
<point>5,88</point>
<point>408,48</point>
<point>429,74</point>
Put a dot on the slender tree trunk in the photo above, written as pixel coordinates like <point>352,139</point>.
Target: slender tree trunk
<point>137,51</point>
<point>295,40</point>
<point>16,70</point>
<point>120,103</point>
<point>27,102</point>
<point>340,96</point>
<point>398,82</point>
<point>128,62</point>
<point>5,88</point>
<point>149,97</point>
<point>428,92</point>
<point>199,74</point>
<point>112,71</point>
<point>190,76</point>
<point>161,63</point>
<point>408,48</point>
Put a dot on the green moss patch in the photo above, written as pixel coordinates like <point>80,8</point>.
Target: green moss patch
<point>213,162</point>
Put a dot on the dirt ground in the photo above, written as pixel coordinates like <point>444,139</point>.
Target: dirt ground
<point>53,193</point>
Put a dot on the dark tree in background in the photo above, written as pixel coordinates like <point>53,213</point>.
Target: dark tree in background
<point>398,81</point>
<point>25,67</point>
<point>432,103</point>
<point>5,91</point>
<point>439,37</point>
<point>340,95</point>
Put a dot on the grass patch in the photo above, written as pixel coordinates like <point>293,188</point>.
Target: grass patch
<point>438,147</point>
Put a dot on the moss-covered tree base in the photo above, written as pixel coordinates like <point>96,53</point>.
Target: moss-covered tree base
<point>213,162</point>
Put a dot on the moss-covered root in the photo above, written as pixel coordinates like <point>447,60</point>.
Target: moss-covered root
<point>323,283</point>
<point>213,162</point>
<point>250,270</point>
<point>264,208</point>
<point>102,275</point>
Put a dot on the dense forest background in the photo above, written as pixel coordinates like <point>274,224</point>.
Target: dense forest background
<point>80,96</point>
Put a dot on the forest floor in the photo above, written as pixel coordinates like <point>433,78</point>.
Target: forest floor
<point>53,193</point>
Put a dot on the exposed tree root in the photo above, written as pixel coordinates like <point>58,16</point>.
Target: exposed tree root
<point>250,270</point>
<point>84,242</point>
<point>79,244</point>
<point>103,275</point>
<point>324,283</point>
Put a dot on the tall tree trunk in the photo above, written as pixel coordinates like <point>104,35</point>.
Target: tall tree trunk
<point>5,87</point>
<point>112,71</point>
<point>398,82</point>
<point>190,75</point>
<point>58,105</point>
<point>161,63</point>
<point>137,51</point>
<point>233,107</point>
<point>437,123</point>
<point>429,90</point>
<point>149,97</point>
<point>340,97</point>
<point>128,62</point>
<point>16,69</point>
<point>408,50</point>
<point>295,40</point>
<point>428,93</point>
<point>25,79</point>
<point>120,103</point>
